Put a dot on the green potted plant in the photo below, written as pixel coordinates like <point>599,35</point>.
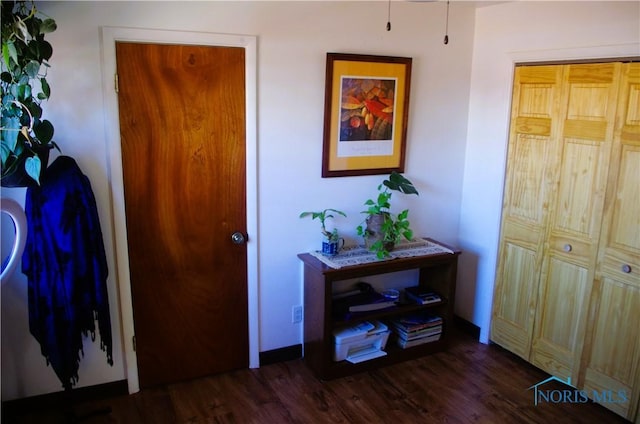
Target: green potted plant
<point>26,138</point>
<point>330,244</point>
<point>384,229</point>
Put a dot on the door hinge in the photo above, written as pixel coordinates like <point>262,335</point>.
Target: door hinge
<point>115,81</point>
<point>133,339</point>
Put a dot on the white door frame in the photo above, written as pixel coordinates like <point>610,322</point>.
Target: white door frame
<point>109,36</point>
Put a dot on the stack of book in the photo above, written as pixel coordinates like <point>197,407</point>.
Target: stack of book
<point>421,295</point>
<point>416,329</point>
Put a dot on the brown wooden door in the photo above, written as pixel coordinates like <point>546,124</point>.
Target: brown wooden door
<point>182,122</point>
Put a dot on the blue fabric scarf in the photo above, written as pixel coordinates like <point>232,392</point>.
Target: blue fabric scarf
<point>66,268</point>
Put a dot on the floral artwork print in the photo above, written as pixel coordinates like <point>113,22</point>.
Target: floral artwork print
<point>365,114</point>
<point>366,109</point>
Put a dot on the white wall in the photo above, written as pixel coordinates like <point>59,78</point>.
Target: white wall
<point>293,39</point>
<point>460,201</point>
<point>505,34</point>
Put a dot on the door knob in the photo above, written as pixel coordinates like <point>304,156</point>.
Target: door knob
<point>238,238</point>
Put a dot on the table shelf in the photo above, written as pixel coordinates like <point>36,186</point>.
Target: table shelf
<point>437,272</point>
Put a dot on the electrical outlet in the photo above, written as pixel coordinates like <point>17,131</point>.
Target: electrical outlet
<point>297,314</point>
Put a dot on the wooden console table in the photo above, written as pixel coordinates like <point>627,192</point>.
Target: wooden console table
<point>436,272</point>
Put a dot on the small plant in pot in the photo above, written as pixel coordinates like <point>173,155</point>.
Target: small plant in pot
<point>331,241</point>
<point>26,138</point>
<point>384,229</point>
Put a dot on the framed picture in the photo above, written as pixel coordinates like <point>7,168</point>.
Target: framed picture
<point>366,111</point>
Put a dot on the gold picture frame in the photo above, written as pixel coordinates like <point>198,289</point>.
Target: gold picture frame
<point>366,114</point>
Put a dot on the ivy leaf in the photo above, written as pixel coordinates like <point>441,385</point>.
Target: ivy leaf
<point>45,49</point>
<point>46,89</point>
<point>32,68</point>
<point>383,200</point>
<point>32,51</point>
<point>43,131</point>
<point>398,182</point>
<point>23,79</point>
<point>35,110</point>
<point>33,165</point>
<point>6,77</point>
<point>9,52</point>
<point>21,91</point>
<point>21,28</point>
<point>5,54</point>
<point>5,152</point>
<point>48,25</point>
<point>9,133</point>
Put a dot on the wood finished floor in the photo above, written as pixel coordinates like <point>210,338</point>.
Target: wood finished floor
<point>470,383</point>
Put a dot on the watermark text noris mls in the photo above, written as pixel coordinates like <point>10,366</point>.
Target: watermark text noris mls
<point>574,395</point>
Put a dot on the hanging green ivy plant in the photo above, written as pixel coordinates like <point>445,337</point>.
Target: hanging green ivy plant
<point>25,61</point>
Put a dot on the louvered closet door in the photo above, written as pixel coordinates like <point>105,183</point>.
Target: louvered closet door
<point>589,100</point>
<point>531,160</point>
<point>612,347</point>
